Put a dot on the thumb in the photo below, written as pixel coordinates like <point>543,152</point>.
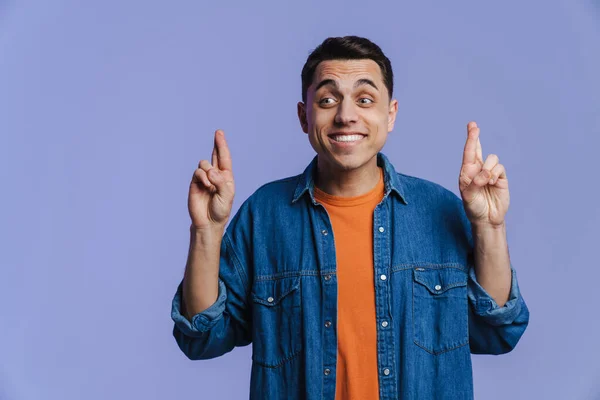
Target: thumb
<point>480,180</point>
<point>221,181</point>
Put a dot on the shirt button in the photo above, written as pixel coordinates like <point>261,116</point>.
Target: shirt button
<point>381,229</point>
<point>327,371</point>
<point>327,324</point>
<point>383,277</point>
<point>384,324</point>
<point>438,287</point>
<point>270,299</point>
<point>324,232</point>
<point>386,371</point>
<point>327,277</point>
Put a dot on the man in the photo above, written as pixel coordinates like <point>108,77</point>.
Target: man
<point>351,281</point>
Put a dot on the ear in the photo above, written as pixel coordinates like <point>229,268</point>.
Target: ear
<point>302,116</point>
<point>393,111</point>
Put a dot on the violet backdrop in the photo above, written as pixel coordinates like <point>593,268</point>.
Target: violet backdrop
<point>107,107</point>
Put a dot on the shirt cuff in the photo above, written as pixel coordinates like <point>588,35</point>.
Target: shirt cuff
<point>201,322</point>
<point>486,307</point>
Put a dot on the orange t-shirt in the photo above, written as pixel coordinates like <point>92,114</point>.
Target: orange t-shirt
<point>352,223</point>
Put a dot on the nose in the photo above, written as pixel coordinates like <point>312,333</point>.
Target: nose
<point>346,113</point>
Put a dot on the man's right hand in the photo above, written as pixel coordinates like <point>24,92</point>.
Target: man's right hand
<point>210,198</point>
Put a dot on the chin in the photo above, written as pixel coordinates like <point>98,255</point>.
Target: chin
<point>350,162</point>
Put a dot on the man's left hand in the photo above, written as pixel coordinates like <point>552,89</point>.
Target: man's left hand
<point>483,185</point>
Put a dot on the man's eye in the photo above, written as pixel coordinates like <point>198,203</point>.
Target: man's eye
<point>365,100</point>
<point>327,100</point>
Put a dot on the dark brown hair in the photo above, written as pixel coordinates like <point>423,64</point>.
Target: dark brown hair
<point>346,48</point>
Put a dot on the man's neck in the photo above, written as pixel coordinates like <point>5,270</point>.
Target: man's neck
<point>349,183</point>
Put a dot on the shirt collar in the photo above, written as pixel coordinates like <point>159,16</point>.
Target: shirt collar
<point>391,180</point>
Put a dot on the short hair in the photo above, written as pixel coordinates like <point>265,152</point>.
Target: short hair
<point>347,48</point>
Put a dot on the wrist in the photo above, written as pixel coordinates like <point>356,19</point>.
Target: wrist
<point>206,233</point>
<point>481,226</point>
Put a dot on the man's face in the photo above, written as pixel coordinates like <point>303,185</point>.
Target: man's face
<point>347,114</point>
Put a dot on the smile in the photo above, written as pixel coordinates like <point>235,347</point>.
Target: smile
<point>347,138</point>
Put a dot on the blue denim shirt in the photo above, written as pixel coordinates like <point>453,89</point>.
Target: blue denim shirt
<point>278,287</point>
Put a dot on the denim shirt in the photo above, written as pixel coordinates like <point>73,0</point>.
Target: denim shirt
<point>278,288</point>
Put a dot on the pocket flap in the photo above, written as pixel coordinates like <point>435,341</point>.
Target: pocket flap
<point>271,292</point>
<point>438,280</point>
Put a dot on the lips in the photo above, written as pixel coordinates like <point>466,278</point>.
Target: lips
<point>345,134</point>
<point>354,139</point>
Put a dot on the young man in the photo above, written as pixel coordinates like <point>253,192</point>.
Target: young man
<point>351,280</point>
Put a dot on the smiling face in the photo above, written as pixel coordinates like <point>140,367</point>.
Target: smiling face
<point>348,114</point>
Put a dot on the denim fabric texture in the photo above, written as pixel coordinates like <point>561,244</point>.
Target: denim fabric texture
<point>278,287</point>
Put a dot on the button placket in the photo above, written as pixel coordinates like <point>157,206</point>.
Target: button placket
<point>326,265</point>
<point>383,265</point>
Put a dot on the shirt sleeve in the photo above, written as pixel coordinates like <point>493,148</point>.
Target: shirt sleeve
<point>203,321</point>
<point>492,329</point>
<point>486,308</point>
<point>226,323</point>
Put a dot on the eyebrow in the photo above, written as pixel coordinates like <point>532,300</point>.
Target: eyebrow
<point>358,83</point>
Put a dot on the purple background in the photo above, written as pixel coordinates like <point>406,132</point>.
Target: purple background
<point>106,109</point>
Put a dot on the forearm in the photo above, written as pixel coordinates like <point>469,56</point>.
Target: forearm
<point>201,280</point>
<point>492,261</point>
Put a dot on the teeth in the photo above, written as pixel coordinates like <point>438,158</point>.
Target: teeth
<point>347,138</point>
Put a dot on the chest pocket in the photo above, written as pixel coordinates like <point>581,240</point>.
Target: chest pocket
<point>440,309</point>
<point>276,320</point>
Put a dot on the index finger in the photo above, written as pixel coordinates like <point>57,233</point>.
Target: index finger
<point>223,154</point>
<point>470,152</point>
